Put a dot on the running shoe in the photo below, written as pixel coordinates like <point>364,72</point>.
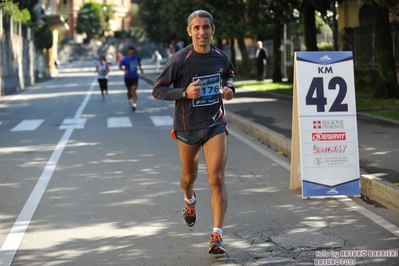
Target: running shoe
<point>216,244</point>
<point>188,212</point>
<point>134,107</point>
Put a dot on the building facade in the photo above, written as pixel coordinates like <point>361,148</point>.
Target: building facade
<point>69,9</point>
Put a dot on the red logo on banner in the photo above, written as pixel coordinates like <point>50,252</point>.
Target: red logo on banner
<point>329,136</point>
<point>317,124</point>
<point>328,124</point>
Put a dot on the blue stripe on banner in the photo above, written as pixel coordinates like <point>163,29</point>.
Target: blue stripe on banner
<point>351,188</point>
<point>324,58</point>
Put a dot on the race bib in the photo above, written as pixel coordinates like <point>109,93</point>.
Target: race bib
<point>210,90</point>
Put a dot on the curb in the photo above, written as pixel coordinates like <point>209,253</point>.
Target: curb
<point>371,187</point>
<point>275,140</point>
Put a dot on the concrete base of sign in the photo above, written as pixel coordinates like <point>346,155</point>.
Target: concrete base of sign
<point>372,188</point>
<point>378,190</point>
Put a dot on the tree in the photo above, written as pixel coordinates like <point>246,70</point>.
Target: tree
<point>93,20</point>
<point>166,21</point>
<point>12,9</point>
<point>277,13</point>
<point>24,12</point>
<point>308,9</point>
<point>309,12</point>
<point>233,23</point>
<point>388,88</point>
<point>163,21</point>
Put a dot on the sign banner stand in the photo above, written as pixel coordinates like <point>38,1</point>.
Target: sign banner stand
<point>324,126</point>
<point>295,180</point>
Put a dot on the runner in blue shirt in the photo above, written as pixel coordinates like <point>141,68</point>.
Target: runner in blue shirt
<point>129,65</point>
<point>196,77</point>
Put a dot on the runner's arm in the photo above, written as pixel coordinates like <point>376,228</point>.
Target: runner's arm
<point>122,65</point>
<point>162,91</point>
<point>228,80</point>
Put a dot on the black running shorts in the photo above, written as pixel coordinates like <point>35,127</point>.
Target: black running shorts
<point>199,136</point>
<point>131,82</point>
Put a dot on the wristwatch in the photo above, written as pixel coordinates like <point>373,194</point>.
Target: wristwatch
<point>184,94</point>
<point>231,86</point>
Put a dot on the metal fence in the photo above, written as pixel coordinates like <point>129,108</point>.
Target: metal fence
<point>363,44</point>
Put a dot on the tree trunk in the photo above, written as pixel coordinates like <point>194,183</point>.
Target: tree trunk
<point>309,11</point>
<point>388,88</point>
<point>219,43</point>
<point>334,25</point>
<point>246,66</point>
<point>276,57</point>
<point>233,53</point>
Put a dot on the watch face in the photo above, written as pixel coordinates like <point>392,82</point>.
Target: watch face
<point>184,94</point>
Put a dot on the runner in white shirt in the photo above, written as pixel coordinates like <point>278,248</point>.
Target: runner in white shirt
<point>102,69</point>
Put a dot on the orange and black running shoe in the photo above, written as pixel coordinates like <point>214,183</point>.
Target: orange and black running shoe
<point>216,244</point>
<point>189,214</point>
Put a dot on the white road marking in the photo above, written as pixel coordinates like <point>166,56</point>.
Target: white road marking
<point>165,120</point>
<point>115,122</point>
<point>17,232</point>
<point>28,125</point>
<point>347,201</point>
<point>371,215</point>
<point>76,123</point>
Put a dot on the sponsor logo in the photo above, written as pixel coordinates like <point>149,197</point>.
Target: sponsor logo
<point>317,124</point>
<point>318,160</point>
<point>329,149</point>
<point>329,136</point>
<point>331,161</point>
<point>328,124</point>
<point>325,58</point>
<point>332,191</point>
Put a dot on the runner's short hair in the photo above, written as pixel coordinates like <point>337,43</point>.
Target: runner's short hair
<point>201,14</point>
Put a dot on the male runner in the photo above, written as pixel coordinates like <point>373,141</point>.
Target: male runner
<point>129,64</point>
<point>200,73</point>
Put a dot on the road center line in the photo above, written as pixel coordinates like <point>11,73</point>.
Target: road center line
<point>393,229</point>
<point>17,232</point>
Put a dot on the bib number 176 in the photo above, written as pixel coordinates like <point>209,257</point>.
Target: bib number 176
<point>315,95</point>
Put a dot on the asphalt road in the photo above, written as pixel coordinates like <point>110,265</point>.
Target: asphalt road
<point>88,182</point>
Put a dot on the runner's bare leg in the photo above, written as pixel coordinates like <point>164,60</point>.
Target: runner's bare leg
<point>189,163</point>
<point>215,154</point>
<point>133,90</point>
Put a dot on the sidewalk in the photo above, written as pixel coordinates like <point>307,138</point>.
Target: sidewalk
<point>268,117</point>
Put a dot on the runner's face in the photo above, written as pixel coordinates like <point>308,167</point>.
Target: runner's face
<point>201,32</point>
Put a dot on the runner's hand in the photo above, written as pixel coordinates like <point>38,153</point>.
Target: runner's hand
<point>193,91</point>
<point>227,93</point>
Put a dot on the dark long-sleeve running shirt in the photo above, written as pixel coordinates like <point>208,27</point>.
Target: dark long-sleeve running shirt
<point>214,69</point>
